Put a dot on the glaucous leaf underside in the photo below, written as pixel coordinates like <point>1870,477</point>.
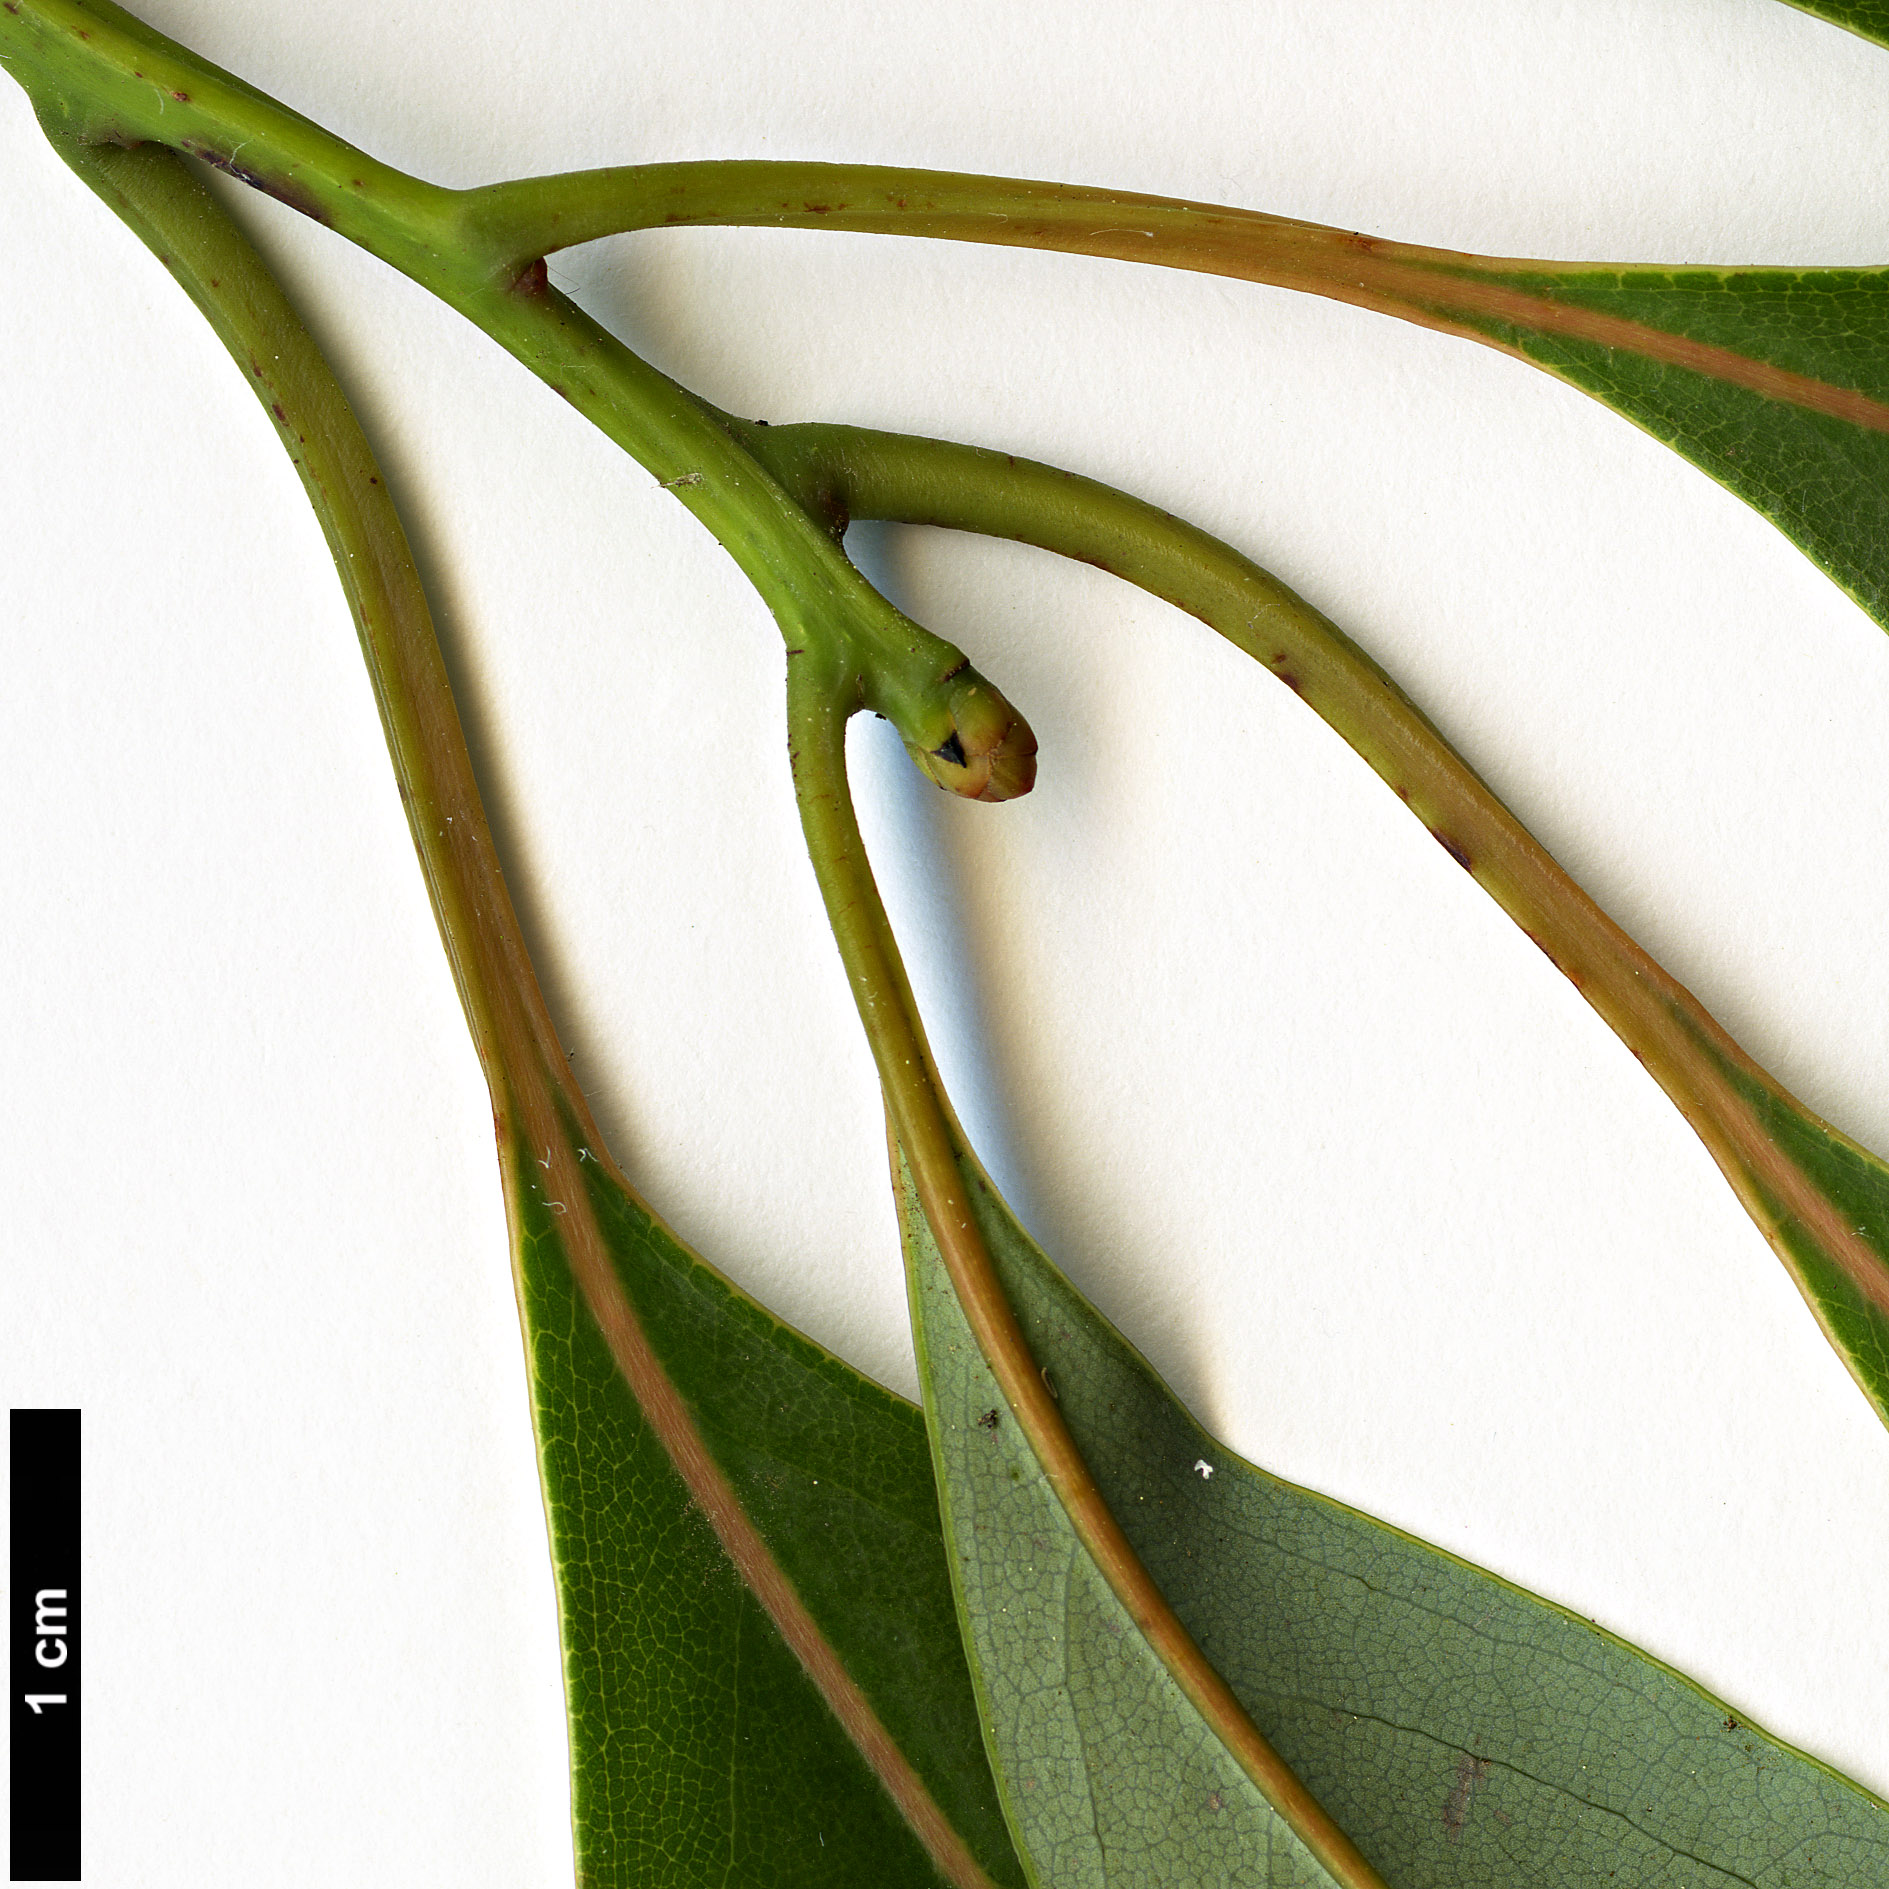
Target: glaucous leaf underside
<point>1464,1734</point>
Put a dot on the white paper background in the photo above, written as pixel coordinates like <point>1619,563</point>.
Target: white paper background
<point>1266,1072</point>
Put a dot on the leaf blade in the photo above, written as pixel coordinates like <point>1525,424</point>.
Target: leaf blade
<point>1868,19</point>
<point>1816,471</point>
<point>822,1697</point>
<point>1460,1730</point>
<point>1109,1774</point>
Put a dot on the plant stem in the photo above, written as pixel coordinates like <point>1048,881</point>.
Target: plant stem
<point>99,77</point>
<point>819,701</point>
<point>1729,1100</point>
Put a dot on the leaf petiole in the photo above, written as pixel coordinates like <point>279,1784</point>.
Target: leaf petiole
<point>1820,1200</point>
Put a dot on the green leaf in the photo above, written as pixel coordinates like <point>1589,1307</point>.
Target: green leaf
<point>1774,381</point>
<point>1109,1773</point>
<point>1461,1732</point>
<point>702,1750</point>
<point>1866,17</point>
<point>1823,1203</point>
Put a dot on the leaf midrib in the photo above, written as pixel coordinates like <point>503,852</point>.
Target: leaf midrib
<point>675,1427</point>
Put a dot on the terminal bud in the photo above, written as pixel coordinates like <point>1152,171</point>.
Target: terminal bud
<point>988,751</point>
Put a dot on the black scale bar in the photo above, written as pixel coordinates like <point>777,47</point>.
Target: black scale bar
<point>44,1616</point>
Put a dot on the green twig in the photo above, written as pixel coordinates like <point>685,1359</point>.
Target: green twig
<point>100,78</point>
